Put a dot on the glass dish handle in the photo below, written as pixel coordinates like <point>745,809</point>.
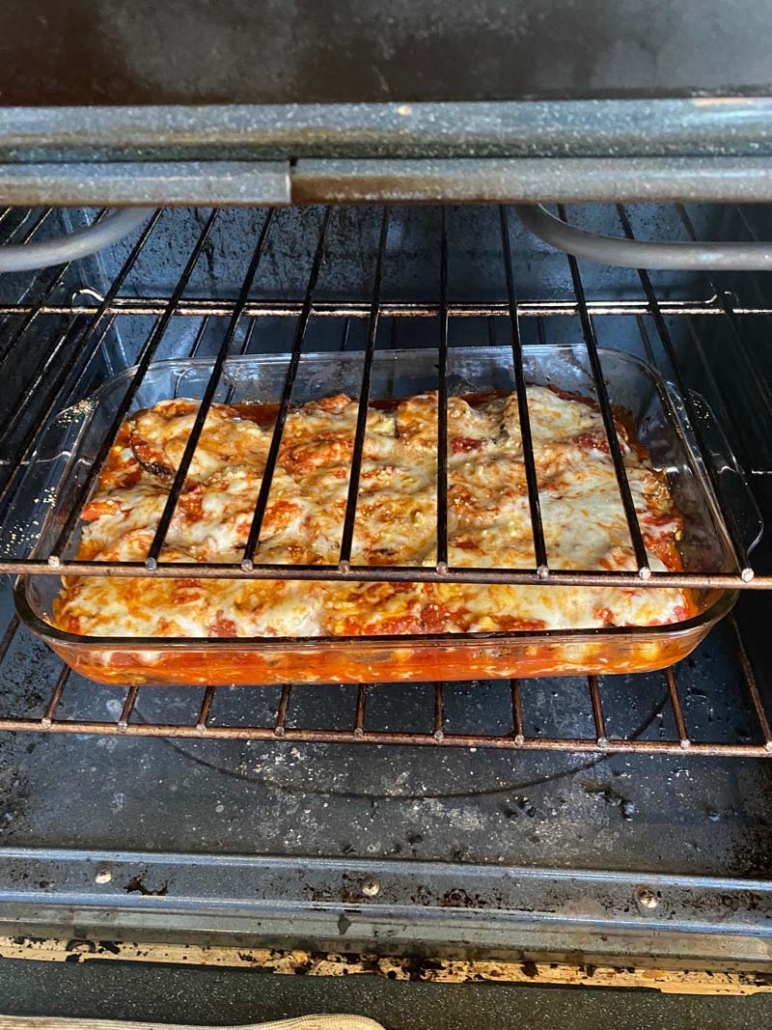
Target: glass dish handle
<point>735,497</point>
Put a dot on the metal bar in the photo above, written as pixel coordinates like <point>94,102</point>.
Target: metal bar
<point>128,707</point>
<point>758,283</point>
<point>19,409</point>
<point>439,712</point>
<point>206,708</point>
<point>57,392</point>
<point>674,255</point>
<point>279,729</point>
<point>223,307</point>
<point>639,548</point>
<point>393,333</point>
<point>246,343</point>
<point>502,743</point>
<point>31,230</point>
<point>385,574</point>
<point>243,349</point>
<point>491,331</point>
<point>740,553</point>
<point>708,127</point>
<point>517,713</point>
<point>442,407</point>
<point>537,528</point>
<point>346,332</point>
<point>10,633</point>
<point>745,223</point>
<point>199,338</point>
<point>601,737</point>
<point>364,399</point>
<point>48,717</point>
<point>7,237</point>
<point>151,346</point>
<point>717,397</point>
<point>359,717</point>
<point>716,392</point>
<point>206,401</point>
<point>527,180</point>
<point>273,451</point>
<point>675,702</point>
<point>125,183</point>
<point>645,338</point>
<point>749,679</point>
<point>752,433</point>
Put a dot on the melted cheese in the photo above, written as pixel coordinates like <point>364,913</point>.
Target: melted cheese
<point>488,521</point>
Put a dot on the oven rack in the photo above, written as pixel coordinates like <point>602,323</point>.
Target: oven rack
<point>523,712</point>
<point>54,386</point>
<point>91,318</point>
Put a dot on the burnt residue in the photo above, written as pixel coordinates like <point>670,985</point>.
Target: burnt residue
<point>612,797</point>
<point>519,806</point>
<point>79,949</point>
<point>136,885</point>
<point>459,898</point>
<point>414,840</point>
<point>422,895</point>
<point>345,894</point>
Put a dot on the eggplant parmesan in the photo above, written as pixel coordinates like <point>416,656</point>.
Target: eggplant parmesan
<point>488,521</point>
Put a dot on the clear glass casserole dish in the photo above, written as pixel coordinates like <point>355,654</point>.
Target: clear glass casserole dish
<point>660,424</point>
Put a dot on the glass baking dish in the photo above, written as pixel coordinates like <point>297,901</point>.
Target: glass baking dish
<point>658,416</point>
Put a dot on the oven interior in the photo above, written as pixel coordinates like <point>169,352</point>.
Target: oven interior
<point>563,816</point>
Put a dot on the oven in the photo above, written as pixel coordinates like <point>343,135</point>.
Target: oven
<point>607,826</point>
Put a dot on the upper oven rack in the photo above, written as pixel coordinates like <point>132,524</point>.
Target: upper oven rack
<point>55,385</point>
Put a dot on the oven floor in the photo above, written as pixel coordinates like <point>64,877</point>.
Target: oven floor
<point>219,996</point>
<point>641,815</point>
<point>634,814</point>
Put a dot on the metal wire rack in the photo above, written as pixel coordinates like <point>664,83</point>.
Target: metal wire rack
<point>55,384</point>
<point>58,386</point>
